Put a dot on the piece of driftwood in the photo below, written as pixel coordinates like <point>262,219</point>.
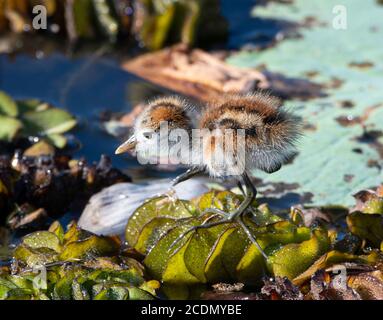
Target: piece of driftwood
<point>195,73</point>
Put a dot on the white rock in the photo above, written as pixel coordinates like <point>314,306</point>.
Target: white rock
<point>109,210</point>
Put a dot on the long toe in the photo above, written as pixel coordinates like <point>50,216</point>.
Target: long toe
<point>216,212</point>
<point>204,225</point>
<point>251,237</point>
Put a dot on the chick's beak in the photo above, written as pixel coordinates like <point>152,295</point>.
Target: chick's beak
<point>128,145</point>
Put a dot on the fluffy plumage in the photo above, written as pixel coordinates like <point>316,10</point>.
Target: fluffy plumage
<point>270,131</point>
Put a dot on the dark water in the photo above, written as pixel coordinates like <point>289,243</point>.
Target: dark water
<point>94,82</point>
<point>81,88</point>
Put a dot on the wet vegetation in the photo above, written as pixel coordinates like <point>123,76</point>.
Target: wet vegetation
<point>304,255</point>
<point>79,265</point>
<point>153,24</point>
<point>313,252</point>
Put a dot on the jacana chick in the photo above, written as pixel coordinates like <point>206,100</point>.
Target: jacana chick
<point>262,135</point>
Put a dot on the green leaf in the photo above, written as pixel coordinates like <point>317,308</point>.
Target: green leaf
<point>153,208</point>
<point>327,260</point>
<point>48,122</point>
<point>9,128</point>
<point>199,250</point>
<point>34,257</point>
<point>155,29</point>
<point>31,105</point>
<point>58,230</point>
<point>42,239</point>
<point>58,140</point>
<point>176,271</point>
<point>222,200</point>
<point>152,232</point>
<point>8,106</point>
<point>139,294</point>
<point>94,246</point>
<point>366,226</point>
<point>293,259</point>
<point>113,293</point>
<point>157,259</point>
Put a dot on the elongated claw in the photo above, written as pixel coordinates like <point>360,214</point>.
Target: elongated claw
<point>204,225</point>
<point>251,237</point>
<point>215,212</point>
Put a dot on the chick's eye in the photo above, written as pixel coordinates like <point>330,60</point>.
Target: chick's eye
<point>148,135</point>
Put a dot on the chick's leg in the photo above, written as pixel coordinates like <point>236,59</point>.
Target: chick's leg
<point>187,175</point>
<point>227,218</point>
<point>249,194</point>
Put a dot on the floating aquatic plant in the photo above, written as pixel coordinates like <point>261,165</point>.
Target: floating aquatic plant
<point>224,253</point>
<point>303,260</point>
<point>34,118</point>
<point>74,265</point>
